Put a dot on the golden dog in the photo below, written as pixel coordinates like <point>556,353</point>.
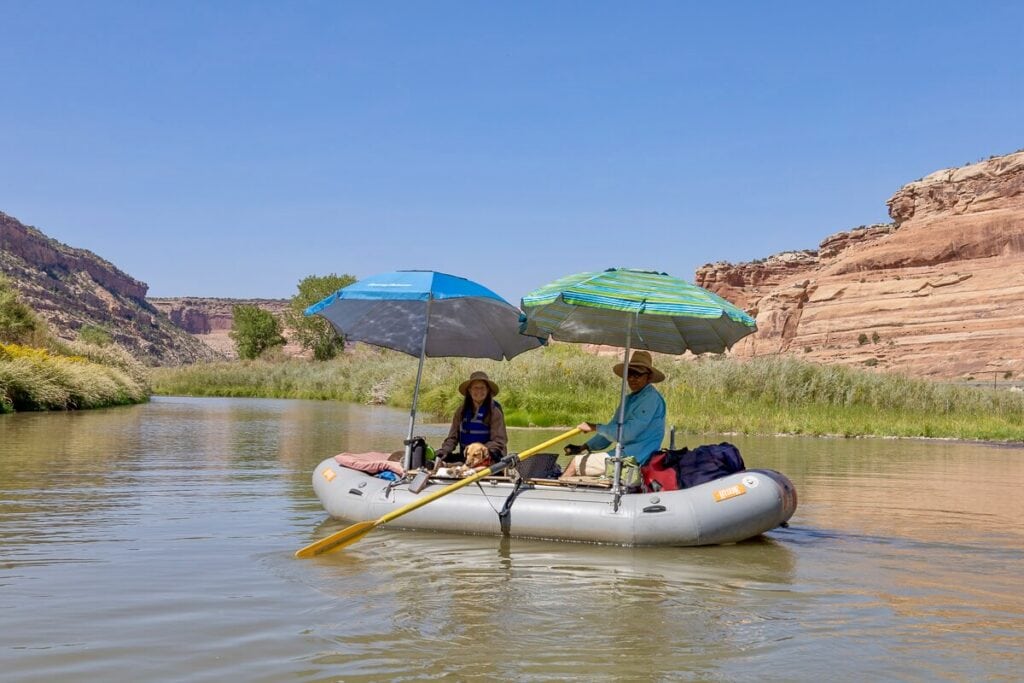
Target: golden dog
<point>477,456</point>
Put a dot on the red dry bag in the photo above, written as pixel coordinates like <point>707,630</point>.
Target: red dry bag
<point>658,476</point>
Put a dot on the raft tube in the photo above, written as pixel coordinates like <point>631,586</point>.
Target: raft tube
<point>727,510</point>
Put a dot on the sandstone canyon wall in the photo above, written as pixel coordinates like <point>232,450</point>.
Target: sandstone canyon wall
<point>938,293</point>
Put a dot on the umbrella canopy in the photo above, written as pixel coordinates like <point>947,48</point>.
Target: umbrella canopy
<point>425,313</point>
<point>641,309</point>
<point>633,309</point>
<point>406,309</point>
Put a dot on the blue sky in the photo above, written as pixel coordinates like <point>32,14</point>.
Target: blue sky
<point>231,149</point>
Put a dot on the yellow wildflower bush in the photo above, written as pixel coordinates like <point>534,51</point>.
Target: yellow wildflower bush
<point>29,352</point>
<point>37,379</point>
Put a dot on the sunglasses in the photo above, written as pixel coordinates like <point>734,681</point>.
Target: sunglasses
<point>638,373</point>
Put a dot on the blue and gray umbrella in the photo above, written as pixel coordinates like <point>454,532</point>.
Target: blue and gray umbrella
<point>424,313</point>
<point>634,309</point>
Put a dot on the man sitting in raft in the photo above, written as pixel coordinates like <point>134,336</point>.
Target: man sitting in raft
<point>478,426</point>
<point>643,426</point>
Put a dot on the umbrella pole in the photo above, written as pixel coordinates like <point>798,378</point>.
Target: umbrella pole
<point>407,460</point>
<point>617,479</point>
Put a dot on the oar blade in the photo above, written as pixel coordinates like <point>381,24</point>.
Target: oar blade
<point>337,540</point>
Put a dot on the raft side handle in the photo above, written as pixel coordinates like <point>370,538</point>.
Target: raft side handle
<point>655,508</point>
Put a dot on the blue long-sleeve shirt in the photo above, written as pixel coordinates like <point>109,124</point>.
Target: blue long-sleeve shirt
<point>643,426</point>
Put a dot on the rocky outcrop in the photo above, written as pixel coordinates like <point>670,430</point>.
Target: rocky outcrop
<point>992,185</point>
<point>31,246</point>
<point>73,288</point>
<point>939,292</point>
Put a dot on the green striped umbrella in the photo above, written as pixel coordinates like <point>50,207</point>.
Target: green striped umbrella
<point>634,309</point>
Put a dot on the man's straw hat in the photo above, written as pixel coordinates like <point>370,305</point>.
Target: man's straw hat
<point>641,361</point>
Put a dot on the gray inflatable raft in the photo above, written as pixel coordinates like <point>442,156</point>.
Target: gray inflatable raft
<point>727,510</point>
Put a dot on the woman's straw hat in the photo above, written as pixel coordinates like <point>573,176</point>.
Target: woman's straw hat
<point>482,376</point>
<point>641,360</point>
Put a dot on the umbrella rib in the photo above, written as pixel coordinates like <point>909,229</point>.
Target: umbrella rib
<point>473,304</point>
<point>573,310</point>
<point>711,327</point>
<point>364,316</point>
<point>687,346</point>
<point>718,334</point>
<point>636,319</point>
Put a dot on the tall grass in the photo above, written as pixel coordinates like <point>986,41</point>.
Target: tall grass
<point>83,376</point>
<point>562,385</point>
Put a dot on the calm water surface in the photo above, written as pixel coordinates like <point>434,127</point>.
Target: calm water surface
<point>154,543</point>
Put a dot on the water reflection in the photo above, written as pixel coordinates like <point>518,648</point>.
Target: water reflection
<point>447,595</point>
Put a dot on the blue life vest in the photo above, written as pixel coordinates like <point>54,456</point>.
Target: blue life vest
<point>473,428</point>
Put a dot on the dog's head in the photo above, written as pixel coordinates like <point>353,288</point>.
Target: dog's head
<point>476,455</point>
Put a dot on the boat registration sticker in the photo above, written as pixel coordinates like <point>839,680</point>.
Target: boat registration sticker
<point>731,492</point>
<point>329,474</point>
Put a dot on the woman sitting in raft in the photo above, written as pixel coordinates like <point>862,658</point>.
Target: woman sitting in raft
<point>477,435</point>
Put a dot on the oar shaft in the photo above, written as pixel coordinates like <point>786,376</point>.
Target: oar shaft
<point>474,477</point>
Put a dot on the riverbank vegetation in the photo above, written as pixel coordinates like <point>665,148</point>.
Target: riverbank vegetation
<point>41,372</point>
<point>79,376</point>
<point>561,385</point>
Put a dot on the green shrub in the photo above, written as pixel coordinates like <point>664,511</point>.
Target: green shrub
<point>254,330</point>
<point>314,333</point>
<point>93,334</point>
<point>18,323</point>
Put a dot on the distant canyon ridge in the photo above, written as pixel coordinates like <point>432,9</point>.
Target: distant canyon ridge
<point>939,292</point>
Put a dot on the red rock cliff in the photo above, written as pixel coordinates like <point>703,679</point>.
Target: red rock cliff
<point>940,292</point>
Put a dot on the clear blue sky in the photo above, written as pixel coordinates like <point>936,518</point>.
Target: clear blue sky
<point>230,149</point>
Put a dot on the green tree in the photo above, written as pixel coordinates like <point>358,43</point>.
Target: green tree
<point>18,323</point>
<point>254,330</point>
<point>314,333</point>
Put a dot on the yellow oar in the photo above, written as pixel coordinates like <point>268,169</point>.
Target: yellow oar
<point>353,533</point>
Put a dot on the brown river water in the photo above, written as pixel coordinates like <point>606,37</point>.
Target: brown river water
<point>154,543</point>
